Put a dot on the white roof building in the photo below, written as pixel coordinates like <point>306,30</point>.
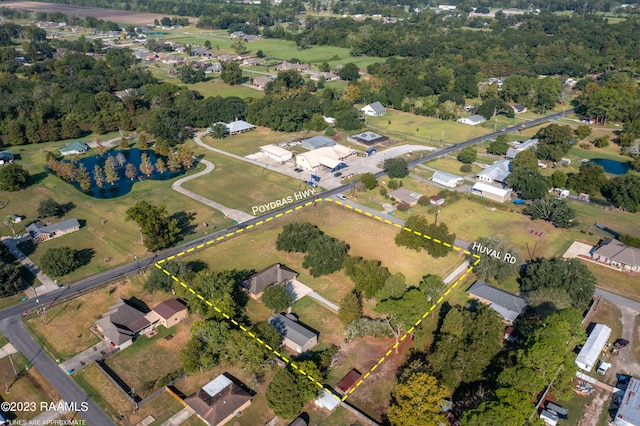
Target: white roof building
<point>629,411</point>
<point>375,109</point>
<point>591,350</point>
<point>327,400</point>
<point>446,179</point>
<point>491,192</point>
<point>472,120</point>
<point>239,126</point>
<point>329,157</point>
<point>497,172</point>
<point>276,153</point>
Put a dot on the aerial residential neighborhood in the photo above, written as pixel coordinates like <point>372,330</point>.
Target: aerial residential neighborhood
<point>319,213</point>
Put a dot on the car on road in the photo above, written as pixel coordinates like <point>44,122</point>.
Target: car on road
<point>337,174</point>
<point>342,197</point>
<point>503,129</point>
<point>620,343</point>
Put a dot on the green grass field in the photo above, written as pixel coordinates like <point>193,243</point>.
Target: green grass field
<point>452,166</point>
<point>250,142</point>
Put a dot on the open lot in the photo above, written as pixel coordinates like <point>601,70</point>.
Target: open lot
<point>120,16</point>
<point>98,387</point>
<point>250,142</point>
<point>616,281</point>
<point>67,331</point>
<point>452,166</point>
<point>104,233</point>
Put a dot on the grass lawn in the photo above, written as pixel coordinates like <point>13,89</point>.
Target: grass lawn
<point>104,233</point>
<point>588,214</point>
<point>452,166</point>
<point>321,319</point>
<point>615,281</point>
<point>240,185</point>
<point>250,142</point>
<point>410,128</point>
<point>5,302</point>
<point>149,359</point>
<point>161,408</point>
<point>3,340</point>
<point>104,393</point>
<point>67,331</point>
<point>576,407</point>
<point>193,421</point>
<point>30,387</point>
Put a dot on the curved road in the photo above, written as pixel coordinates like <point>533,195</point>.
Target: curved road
<point>10,318</point>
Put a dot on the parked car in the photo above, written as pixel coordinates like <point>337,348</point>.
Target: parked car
<point>620,343</point>
<point>342,197</point>
<point>337,174</point>
<point>298,170</point>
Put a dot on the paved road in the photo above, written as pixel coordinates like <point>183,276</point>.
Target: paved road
<point>618,300</point>
<point>14,330</point>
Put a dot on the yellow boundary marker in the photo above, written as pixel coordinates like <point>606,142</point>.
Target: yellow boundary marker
<point>274,351</point>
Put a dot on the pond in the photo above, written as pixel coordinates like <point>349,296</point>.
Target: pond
<point>123,185</point>
<point>612,166</point>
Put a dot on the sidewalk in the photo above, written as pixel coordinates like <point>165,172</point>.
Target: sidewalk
<point>47,283</point>
<point>179,418</point>
<point>6,350</point>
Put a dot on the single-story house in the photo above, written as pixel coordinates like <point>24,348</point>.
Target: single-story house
<point>288,66</point>
<point>6,157</point>
<point>317,142</point>
<point>276,153</point>
<point>122,323</point>
<point>497,172</point>
<point>436,201</point>
<point>168,313</point>
<point>296,336</point>
<point>39,232</point>
<point>446,179</point>
<point>251,37</point>
<point>404,195</point>
<point>375,109</point>
<point>261,82</point>
<point>219,401</point>
<point>215,67</point>
<point>614,253</point>
<point>511,153</point>
<point>274,274</point>
<point>239,126</point>
<point>227,58</point>
<point>328,76</point>
<point>508,305</point>
<point>367,139</point>
<point>491,192</point>
<point>74,148</point>
<point>349,381</point>
<point>237,34</point>
<point>590,352</point>
<point>253,61</point>
<point>629,410</point>
<point>472,120</point>
<point>550,418</point>
<point>299,422</point>
<point>329,157</point>
<point>327,400</point>
<point>519,108</point>
<point>519,147</point>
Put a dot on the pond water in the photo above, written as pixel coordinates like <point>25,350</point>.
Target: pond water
<point>612,166</point>
<point>123,185</point>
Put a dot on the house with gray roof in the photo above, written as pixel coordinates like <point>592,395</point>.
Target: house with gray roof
<point>289,66</point>
<point>521,146</point>
<point>375,109</point>
<point>262,81</point>
<point>367,139</point>
<point>274,274</point>
<point>74,148</point>
<point>295,336</point>
<point>317,142</point>
<point>614,253</point>
<point>39,232</point>
<point>446,179</point>
<point>122,323</point>
<point>239,126</point>
<point>497,172</point>
<point>328,76</point>
<point>472,120</point>
<point>6,157</point>
<point>508,305</point>
<point>404,195</point>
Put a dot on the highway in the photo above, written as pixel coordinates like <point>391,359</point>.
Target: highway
<point>10,318</point>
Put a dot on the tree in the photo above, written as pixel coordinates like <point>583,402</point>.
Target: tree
<point>350,72</point>
<point>161,166</point>
<point>142,141</point>
<point>218,131</point>
<point>207,44</point>
<point>131,172</point>
<point>13,177</point>
<point>499,146</point>
<point>296,237</point>
<point>552,209</point>
<point>367,275</point>
<point>350,308</point>
<point>159,281</point>
<point>589,180</point>
<point>624,192</point>
<point>524,161</point>
<point>99,146</point>
<point>98,176</point>
<point>559,179</point>
<point>530,185</point>
<point>283,395</point>
<point>110,172</point>
<point>239,46</point>
<point>467,155</point>
<point>396,168</point>
<point>421,235</point>
<point>49,208</point>
<point>124,143</point>
<point>432,286</point>
<point>10,279</point>
<point>277,298</point>
<point>417,402</point>
<point>325,255</point>
<point>369,181</point>
<point>159,230</point>
<point>393,288</point>
<point>493,268</point>
<point>231,73</point>
<point>146,167</point>
<point>59,261</point>
<point>568,274</point>
<point>400,314</point>
<point>582,131</point>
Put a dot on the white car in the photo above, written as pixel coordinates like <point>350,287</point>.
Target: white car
<point>342,197</point>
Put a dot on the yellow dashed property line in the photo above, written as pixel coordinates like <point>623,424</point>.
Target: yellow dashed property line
<point>278,354</point>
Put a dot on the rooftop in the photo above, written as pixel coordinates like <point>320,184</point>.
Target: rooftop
<point>506,304</point>
<point>239,126</point>
<point>618,252</point>
<point>218,399</point>
<point>291,329</point>
<point>442,176</point>
<point>169,308</point>
<point>629,411</point>
<point>377,107</point>
<point>498,171</point>
<point>273,274</point>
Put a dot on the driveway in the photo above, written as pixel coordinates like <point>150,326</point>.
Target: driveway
<point>47,283</point>
<point>88,356</point>
<point>626,361</point>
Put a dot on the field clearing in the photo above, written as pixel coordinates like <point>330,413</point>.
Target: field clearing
<point>452,166</point>
<point>250,142</point>
<point>67,331</point>
<point>104,233</point>
<point>241,185</point>
<point>119,16</point>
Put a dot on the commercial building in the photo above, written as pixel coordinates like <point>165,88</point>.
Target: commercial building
<point>317,142</point>
<point>367,139</point>
<point>329,157</point>
<point>276,153</point>
<point>446,179</point>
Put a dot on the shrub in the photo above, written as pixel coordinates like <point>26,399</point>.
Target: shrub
<point>393,184</point>
<point>424,200</point>
<point>601,142</point>
<point>330,131</point>
<point>402,206</point>
<point>383,192</point>
<point>585,145</point>
<point>465,168</point>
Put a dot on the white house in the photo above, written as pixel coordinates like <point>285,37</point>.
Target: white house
<point>497,172</point>
<point>472,120</point>
<point>375,109</point>
<point>491,192</point>
<point>446,179</point>
<point>276,153</point>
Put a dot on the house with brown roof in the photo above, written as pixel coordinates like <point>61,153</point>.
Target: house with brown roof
<point>219,401</point>
<point>349,381</point>
<point>289,66</point>
<point>614,253</point>
<point>168,313</point>
<point>122,323</point>
<point>404,195</point>
<point>274,274</point>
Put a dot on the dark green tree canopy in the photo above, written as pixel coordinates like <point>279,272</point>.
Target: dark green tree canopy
<point>13,177</point>
<point>467,155</point>
<point>59,261</point>
<point>589,180</point>
<point>295,237</point>
<point>396,168</point>
<point>495,268</point>
<point>277,298</point>
<point>552,209</point>
<point>624,191</point>
<point>369,180</point>
<point>159,230</point>
<point>367,275</point>
<point>49,208</point>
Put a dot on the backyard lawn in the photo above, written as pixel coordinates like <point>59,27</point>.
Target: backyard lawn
<point>250,142</point>
<point>452,166</point>
<point>103,392</point>
<point>615,281</point>
<point>321,319</point>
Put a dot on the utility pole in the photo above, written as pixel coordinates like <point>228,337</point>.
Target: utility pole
<point>44,312</point>
<point>437,213</point>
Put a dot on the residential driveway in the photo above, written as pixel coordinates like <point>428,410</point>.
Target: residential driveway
<point>88,356</point>
<point>576,249</point>
<point>626,362</point>
<point>298,290</point>
<point>179,418</point>
<point>48,283</point>
<point>6,350</point>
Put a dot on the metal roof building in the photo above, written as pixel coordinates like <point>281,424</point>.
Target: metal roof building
<point>591,350</point>
<point>317,142</point>
<point>629,411</point>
